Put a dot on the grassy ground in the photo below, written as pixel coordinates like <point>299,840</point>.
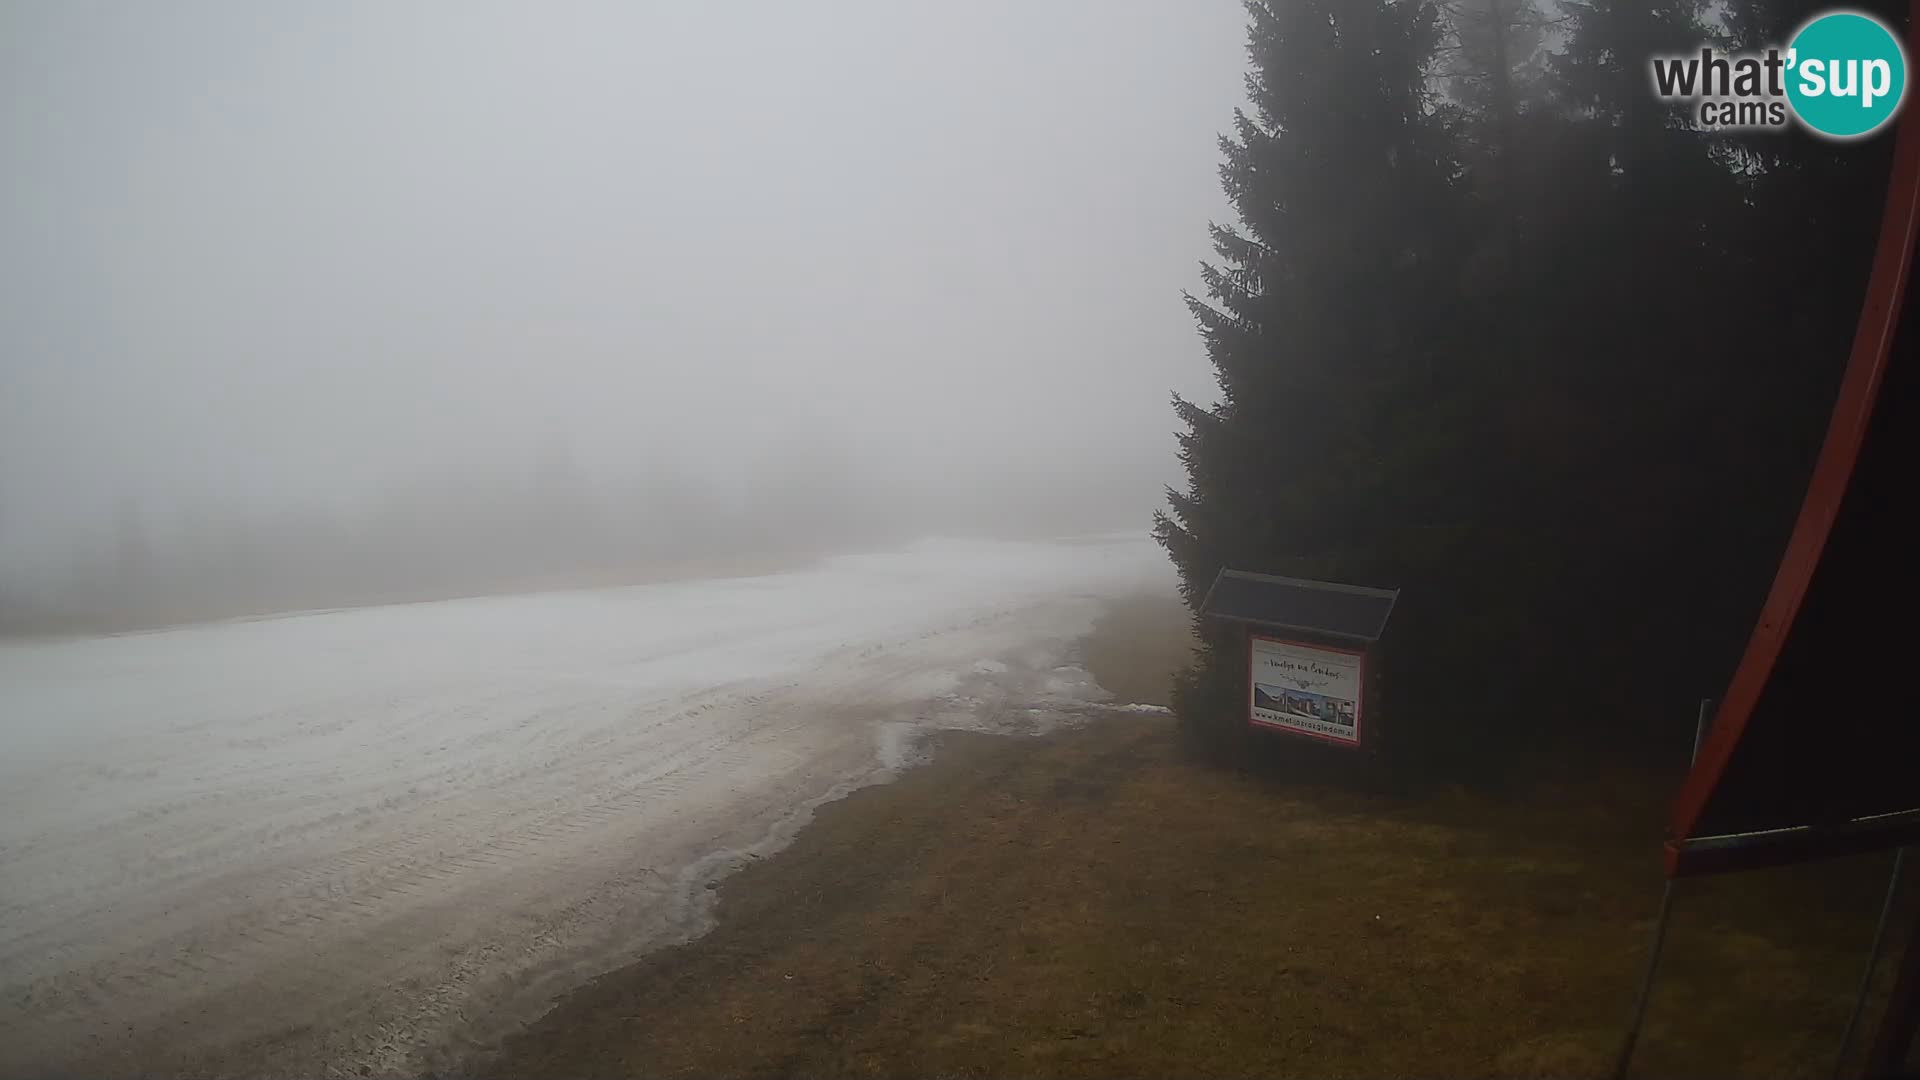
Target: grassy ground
<point>1096,903</point>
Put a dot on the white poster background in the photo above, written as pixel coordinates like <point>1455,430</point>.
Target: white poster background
<point>1306,689</point>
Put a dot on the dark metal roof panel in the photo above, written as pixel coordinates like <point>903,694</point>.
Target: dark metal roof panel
<point>1348,611</point>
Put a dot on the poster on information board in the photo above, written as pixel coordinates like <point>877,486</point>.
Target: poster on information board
<point>1311,690</point>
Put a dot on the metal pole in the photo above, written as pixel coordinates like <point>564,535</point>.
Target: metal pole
<point>1899,1017</point>
<point>1873,961</point>
<point>1625,1058</point>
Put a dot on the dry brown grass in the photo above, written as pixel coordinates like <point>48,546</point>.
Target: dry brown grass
<point>1096,903</point>
<point>1137,645</point>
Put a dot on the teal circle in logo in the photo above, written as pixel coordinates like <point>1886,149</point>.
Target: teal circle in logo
<point>1846,74</point>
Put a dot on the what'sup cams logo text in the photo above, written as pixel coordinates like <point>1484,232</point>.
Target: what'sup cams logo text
<point>1842,76</point>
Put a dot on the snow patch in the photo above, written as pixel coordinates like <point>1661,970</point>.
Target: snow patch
<point>189,816</point>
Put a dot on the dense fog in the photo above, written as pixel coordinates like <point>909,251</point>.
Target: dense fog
<point>365,301</point>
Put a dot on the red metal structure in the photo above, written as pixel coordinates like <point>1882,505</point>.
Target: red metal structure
<point>1815,748</point>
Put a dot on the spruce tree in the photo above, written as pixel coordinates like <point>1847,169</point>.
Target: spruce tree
<point>1510,333</point>
<point>1321,319</point>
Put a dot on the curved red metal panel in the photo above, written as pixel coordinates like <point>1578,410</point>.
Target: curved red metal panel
<point>1833,470</point>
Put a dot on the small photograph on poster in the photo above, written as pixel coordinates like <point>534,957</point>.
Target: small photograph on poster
<point>1303,704</point>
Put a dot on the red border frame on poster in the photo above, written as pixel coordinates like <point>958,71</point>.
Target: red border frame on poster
<point>1359,700</point>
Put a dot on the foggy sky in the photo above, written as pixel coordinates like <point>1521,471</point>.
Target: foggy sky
<point>257,257</point>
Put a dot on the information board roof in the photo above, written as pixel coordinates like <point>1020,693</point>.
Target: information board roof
<point>1354,612</point>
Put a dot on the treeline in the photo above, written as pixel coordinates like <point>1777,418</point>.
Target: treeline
<point>455,533</point>
<point>549,523</point>
<point>1498,327</point>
